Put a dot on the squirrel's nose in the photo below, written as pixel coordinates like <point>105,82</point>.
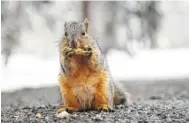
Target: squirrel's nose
<point>73,44</point>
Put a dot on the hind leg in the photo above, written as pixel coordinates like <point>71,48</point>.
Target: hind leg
<point>102,97</point>
<point>71,103</point>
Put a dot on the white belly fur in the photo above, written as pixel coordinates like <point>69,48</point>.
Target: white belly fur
<point>85,96</point>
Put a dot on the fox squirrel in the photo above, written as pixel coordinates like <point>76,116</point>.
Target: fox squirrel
<point>85,81</point>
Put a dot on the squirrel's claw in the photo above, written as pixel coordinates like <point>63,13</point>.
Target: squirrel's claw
<point>61,110</point>
<point>106,108</point>
<point>69,54</point>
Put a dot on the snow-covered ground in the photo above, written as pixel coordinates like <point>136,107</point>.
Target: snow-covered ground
<point>31,71</point>
<point>150,64</point>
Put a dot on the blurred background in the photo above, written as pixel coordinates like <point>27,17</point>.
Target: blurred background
<point>144,40</point>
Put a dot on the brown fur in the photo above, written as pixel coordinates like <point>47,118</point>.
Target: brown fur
<point>89,78</point>
<point>85,83</point>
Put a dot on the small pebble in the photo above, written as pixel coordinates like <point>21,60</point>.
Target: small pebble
<point>97,117</point>
<point>74,115</point>
<point>38,115</point>
<point>155,97</point>
<point>16,116</point>
<point>46,118</point>
<point>119,106</point>
<point>63,114</point>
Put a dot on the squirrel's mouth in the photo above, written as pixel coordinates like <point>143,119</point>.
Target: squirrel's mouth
<point>78,44</point>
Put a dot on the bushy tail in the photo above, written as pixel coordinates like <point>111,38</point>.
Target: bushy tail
<point>121,96</point>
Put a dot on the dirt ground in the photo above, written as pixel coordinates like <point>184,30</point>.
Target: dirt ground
<point>163,101</point>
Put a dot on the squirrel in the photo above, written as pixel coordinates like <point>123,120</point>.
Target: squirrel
<point>85,80</point>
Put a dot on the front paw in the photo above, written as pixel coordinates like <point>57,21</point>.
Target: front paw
<point>68,52</point>
<point>87,48</point>
<point>68,109</point>
<point>83,52</point>
<point>105,108</point>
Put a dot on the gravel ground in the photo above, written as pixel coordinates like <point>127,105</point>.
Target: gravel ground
<point>163,101</point>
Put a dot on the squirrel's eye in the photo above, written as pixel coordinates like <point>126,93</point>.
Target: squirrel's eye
<point>66,34</point>
<point>83,33</point>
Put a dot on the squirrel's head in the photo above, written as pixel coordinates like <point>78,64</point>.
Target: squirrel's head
<point>75,31</point>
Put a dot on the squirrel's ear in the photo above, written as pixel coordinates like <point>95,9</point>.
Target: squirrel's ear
<point>86,24</point>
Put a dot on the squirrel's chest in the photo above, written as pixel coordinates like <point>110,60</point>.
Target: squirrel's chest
<point>84,88</point>
<point>79,64</point>
<point>85,95</point>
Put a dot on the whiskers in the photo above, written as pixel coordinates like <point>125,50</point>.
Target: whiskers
<point>58,42</point>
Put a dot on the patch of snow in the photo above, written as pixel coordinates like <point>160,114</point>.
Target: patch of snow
<point>149,64</point>
<point>29,71</point>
